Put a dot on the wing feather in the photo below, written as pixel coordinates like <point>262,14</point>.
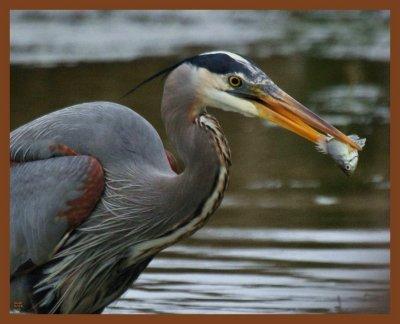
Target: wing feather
<point>48,198</point>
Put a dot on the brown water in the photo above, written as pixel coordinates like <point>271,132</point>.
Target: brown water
<point>293,233</point>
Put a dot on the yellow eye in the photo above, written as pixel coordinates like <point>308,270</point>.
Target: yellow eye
<point>235,81</point>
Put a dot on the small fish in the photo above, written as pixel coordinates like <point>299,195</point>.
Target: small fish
<point>344,156</point>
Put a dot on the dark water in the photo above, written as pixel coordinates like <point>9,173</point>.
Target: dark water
<point>293,233</point>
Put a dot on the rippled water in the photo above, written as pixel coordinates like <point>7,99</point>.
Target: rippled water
<point>233,270</point>
<point>293,233</point>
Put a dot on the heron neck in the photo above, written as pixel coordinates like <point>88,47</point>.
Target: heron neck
<point>201,146</point>
<point>180,109</point>
<point>193,143</point>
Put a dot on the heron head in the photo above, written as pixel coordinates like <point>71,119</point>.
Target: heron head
<point>230,82</point>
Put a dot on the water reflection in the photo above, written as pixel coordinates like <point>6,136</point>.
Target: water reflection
<point>230,270</point>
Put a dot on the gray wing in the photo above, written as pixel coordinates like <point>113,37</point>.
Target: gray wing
<point>49,197</point>
<point>114,134</point>
<point>125,144</point>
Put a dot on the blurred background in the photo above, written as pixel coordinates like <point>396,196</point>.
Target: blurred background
<point>293,234</point>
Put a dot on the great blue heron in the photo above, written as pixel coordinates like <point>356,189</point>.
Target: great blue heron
<point>93,195</point>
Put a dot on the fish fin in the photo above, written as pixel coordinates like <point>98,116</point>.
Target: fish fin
<point>321,146</point>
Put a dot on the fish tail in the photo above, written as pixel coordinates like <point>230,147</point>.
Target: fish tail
<point>360,141</point>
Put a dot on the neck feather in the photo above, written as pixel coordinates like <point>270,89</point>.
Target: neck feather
<point>204,180</point>
<point>200,144</point>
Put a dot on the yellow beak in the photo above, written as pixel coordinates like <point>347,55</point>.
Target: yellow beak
<point>280,108</point>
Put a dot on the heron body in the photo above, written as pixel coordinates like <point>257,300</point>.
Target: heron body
<point>93,193</point>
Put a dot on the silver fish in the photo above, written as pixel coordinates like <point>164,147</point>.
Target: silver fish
<point>344,156</point>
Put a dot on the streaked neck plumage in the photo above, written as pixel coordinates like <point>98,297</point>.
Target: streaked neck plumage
<point>199,142</point>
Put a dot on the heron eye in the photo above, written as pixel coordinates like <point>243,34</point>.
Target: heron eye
<point>347,167</point>
<point>235,81</point>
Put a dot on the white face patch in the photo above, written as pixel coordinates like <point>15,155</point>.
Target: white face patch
<point>225,101</point>
<point>211,91</point>
<point>206,79</point>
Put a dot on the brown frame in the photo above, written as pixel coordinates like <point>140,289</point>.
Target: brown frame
<point>392,5</point>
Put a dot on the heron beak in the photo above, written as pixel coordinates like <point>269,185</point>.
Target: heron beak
<point>276,106</point>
